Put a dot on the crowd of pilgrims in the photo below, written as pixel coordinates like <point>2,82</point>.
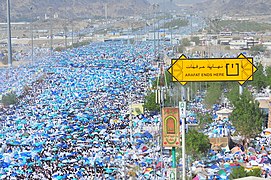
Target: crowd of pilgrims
<point>72,120</point>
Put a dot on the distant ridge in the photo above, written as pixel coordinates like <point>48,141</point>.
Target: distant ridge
<point>235,7</point>
<point>20,9</point>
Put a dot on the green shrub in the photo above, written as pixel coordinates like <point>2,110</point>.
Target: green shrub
<point>9,99</point>
<point>254,172</point>
<point>241,172</point>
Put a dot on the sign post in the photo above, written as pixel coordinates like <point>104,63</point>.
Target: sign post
<point>171,127</point>
<point>171,130</point>
<point>186,70</point>
<point>182,109</point>
<point>172,173</point>
<point>173,152</point>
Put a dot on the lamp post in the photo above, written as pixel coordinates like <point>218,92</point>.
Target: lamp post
<point>51,33</point>
<point>72,32</point>
<point>130,117</point>
<point>65,24</point>
<point>158,34</point>
<point>9,34</point>
<point>32,37</point>
<point>154,29</point>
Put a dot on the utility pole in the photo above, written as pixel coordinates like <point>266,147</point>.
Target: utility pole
<point>160,97</point>
<point>130,117</point>
<point>32,36</point>
<point>51,33</point>
<point>9,35</point>
<point>183,129</point>
<point>72,32</point>
<point>241,89</point>
<point>158,34</point>
<point>154,29</point>
<point>106,12</point>
<point>65,24</point>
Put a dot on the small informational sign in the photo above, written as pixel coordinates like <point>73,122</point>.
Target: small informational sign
<point>171,127</point>
<point>182,107</point>
<point>172,173</point>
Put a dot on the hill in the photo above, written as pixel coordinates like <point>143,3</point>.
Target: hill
<point>21,10</point>
<point>235,7</point>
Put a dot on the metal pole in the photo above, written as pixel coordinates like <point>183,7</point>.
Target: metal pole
<point>9,34</point>
<point>32,36</point>
<point>130,116</point>
<point>171,38</point>
<point>65,28</point>
<point>183,135</point>
<point>154,44</point>
<point>51,33</point>
<point>158,34</point>
<point>188,94</point>
<point>72,34</point>
<point>160,128</point>
<point>240,89</point>
<point>183,147</point>
<point>192,97</point>
<point>173,152</point>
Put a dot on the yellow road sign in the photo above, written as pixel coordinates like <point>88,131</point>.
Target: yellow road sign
<point>186,70</point>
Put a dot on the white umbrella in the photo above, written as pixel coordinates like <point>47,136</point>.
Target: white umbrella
<point>254,163</point>
<point>73,160</point>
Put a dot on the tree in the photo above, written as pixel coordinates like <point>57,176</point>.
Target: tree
<point>257,49</point>
<point>240,172</point>
<point>214,92</point>
<point>185,42</point>
<point>195,39</point>
<point>260,81</point>
<point>150,102</point>
<point>247,117</point>
<point>204,119</point>
<point>9,99</point>
<point>180,49</point>
<point>233,90</point>
<point>197,143</point>
<point>268,74</point>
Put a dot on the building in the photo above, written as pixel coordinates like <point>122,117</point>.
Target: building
<point>265,106</point>
<point>242,44</point>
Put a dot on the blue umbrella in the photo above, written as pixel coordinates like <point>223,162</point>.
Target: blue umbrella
<point>139,141</point>
<point>147,134</point>
<point>143,164</point>
<point>214,166</point>
<point>137,135</point>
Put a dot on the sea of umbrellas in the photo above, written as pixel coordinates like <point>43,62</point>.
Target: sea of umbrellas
<point>72,120</point>
<point>221,160</point>
<point>219,164</point>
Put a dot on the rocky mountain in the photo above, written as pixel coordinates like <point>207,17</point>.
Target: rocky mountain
<point>235,7</point>
<point>25,9</point>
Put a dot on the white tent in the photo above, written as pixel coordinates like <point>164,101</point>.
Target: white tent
<point>223,113</point>
<point>250,178</point>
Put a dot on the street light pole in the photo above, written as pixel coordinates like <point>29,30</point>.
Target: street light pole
<point>154,31</point>
<point>130,117</point>
<point>158,34</point>
<point>9,34</point>
<point>51,33</point>
<point>32,37</point>
<point>72,32</point>
<point>65,28</point>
